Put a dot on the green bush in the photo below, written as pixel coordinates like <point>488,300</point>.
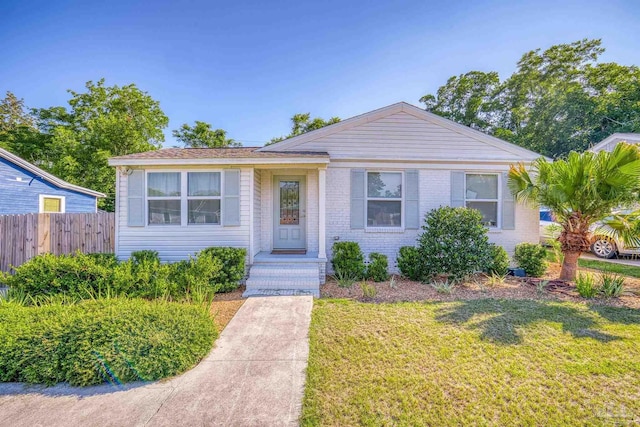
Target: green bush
<point>77,275</point>
<point>104,340</point>
<point>454,243</point>
<point>377,268</point>
<point>233,266</point>
<point>348,260</point>
<point>82,276</point>
<point>498,263</point>
<point>409,262</point>
<point>532,258</point>
<point>195,275</point>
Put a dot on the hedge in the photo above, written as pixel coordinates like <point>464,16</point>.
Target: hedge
<point>113,340</point>
<point>82,276</point>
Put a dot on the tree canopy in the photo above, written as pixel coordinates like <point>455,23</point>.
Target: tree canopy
<point>302,123</point>
<point>557,100</point>
<point>75,142</point>
<point>202,135</point>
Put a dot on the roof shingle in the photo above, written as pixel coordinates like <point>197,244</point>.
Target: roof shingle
<point>215,153</point>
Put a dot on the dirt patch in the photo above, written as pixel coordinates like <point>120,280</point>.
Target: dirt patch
<point>225,306</point>
<point>479,286</point>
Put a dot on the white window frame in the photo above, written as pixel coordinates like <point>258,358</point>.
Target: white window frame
<point>401,199</point>
<point>498,201</point>
<point>219,197</point>
<point>50,196</point>
<point>184,198</point>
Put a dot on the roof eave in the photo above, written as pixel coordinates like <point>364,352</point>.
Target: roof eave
<point>220,161</point>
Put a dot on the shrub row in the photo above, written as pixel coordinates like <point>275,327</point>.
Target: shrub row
<point>454,243</point>
<point>106,340</point>
<point>348,263</point>
<point>217,269</point>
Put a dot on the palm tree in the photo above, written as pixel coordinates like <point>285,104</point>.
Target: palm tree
<point>581,190</point>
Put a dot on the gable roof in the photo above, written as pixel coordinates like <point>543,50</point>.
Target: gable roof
<point>31,168</point>
<point>632,138</point>
<point>403,107</point>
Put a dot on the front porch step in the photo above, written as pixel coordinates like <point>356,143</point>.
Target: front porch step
<point>283,279</point>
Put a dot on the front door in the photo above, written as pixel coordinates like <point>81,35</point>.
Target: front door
<point>289,212</point>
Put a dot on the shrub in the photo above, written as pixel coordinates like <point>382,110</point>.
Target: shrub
<point>377,268</point>
<point>76,275</point>
<point>344,279</point>
<point>498,263</point>
<point>105,340</point>
<point>611,285</point>
<point>409,262</point>
<point>145,256</point>
<point>196,274</point>
<point>443,286</point>
<point>369,292</point>
<point>454,243</point>
<point>586,285</point>
<point>532,258</point>
<point>348,259</point>
<point>233,267</point>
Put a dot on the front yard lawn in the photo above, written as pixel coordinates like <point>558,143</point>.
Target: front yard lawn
<point>476,362</point>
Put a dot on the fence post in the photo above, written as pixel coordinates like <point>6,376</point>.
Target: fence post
<point>44,233</point>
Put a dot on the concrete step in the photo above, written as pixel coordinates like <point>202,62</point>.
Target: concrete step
<point>284,283</point>
<point>280,292</point>
<point>271,270</point>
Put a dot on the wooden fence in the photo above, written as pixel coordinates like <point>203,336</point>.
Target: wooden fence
<point>24,236</point>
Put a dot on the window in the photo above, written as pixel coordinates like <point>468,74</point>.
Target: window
<point>204,197</point>
<point>51,204</point>
<point>163,197</point>
<point>384,199</point>
<point>481,193</point>
<point>177,198</point>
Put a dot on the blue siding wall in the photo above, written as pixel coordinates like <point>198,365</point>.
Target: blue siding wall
<point>18,197</point>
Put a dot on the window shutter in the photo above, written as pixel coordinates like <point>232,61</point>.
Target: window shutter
<point>135,198</point>
<point>231,198</point>
<point>508,206</point>
<point>412,199</point>
<point>357,198</point>
<point>457,189</point>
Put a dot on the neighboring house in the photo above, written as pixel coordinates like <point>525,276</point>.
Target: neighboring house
<point>25,188</point>
<point>368,179</point>
<point>611,141</point>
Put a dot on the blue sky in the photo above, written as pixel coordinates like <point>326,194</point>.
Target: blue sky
<point>248,66</point>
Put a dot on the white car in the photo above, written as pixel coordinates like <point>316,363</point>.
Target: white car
<point>601,246</point>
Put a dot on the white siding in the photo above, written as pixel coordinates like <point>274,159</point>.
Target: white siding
<point>435,185</point>
<point>175,243</point>
<point>402,136</point>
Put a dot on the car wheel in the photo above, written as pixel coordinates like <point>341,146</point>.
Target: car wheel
<point>603,247</point>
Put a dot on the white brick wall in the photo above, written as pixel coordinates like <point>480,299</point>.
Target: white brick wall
<point>435,187</point>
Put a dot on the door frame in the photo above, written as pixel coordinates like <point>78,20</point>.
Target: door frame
<point>276,207</point>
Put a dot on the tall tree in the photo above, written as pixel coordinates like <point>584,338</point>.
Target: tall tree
<point>302,123</point>
<point>557,100</point>
<point>581,190</point>
<point>202,135</point>
<point>18,131</point>
<point>102,122</point>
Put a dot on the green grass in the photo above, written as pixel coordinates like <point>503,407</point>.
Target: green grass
<point>625,270</point>
<point>483,362</point>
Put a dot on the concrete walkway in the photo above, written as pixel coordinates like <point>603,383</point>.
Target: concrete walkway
<point>624,260</point>
<point>253,377</point>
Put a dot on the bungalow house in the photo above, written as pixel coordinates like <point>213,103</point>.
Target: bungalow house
<point>612,140</point>
<point>368,179</point>
<point>25,188</point>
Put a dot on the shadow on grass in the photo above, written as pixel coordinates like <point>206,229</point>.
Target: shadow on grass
<point>501,319</point>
